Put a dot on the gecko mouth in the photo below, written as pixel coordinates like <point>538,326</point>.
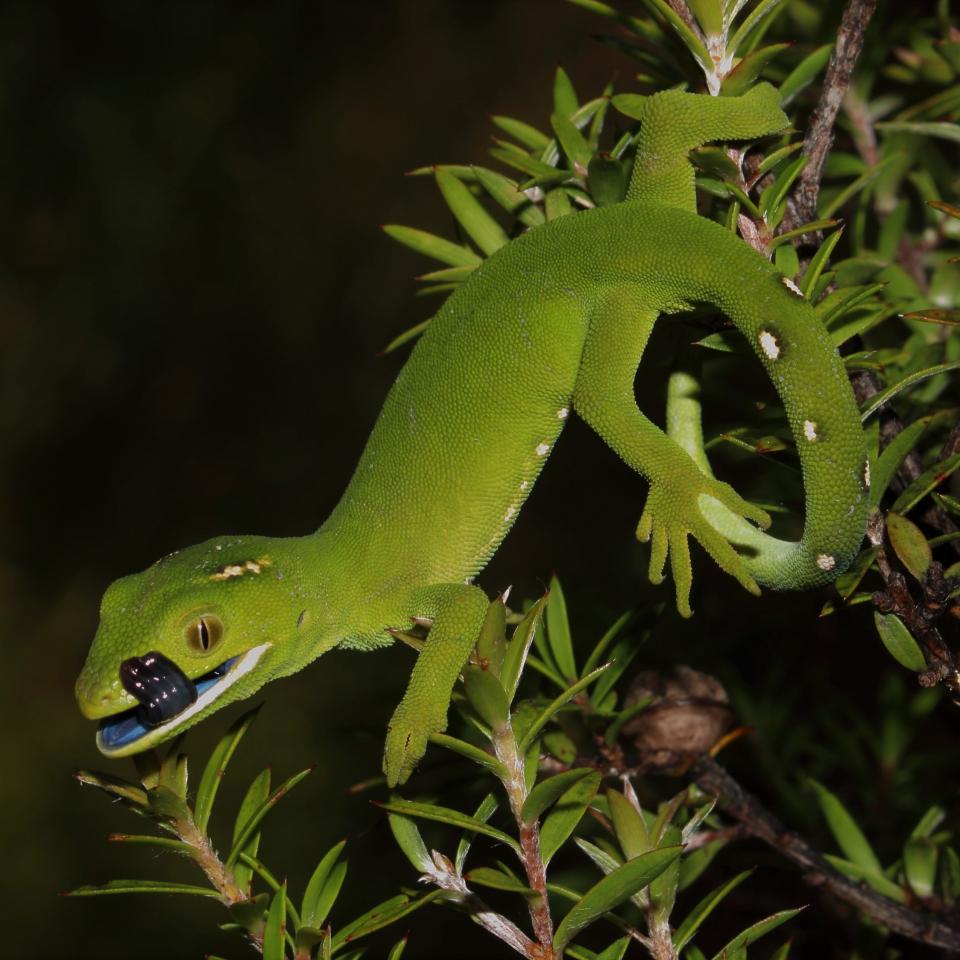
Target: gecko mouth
<point>167,698</point>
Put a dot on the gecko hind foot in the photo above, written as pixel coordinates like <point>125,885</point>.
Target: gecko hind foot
<point>672,514</point>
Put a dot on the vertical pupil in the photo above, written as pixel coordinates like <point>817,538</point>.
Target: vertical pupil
<point>204,634</point>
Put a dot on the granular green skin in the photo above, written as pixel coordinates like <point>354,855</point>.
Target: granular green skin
<point>553,324</point>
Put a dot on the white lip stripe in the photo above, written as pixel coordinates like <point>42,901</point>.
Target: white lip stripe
<point>246,664</point>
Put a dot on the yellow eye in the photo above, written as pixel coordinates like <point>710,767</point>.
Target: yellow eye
<point>204,633</point>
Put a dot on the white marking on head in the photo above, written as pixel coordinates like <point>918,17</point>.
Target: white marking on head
<point>810,430</point>
<point>239,569</point>
<point>543,449</point>
<point>563,413</point>
<point>866,473</point>
<point>826,562</point>
<point>791,286</point>
<point>769,344</point>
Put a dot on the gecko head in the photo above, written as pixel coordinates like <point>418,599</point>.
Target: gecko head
<point>194,632</point>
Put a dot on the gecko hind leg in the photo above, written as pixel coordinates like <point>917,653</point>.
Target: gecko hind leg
<point>619,330</point>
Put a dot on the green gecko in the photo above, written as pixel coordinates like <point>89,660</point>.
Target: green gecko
<point>554,322</point>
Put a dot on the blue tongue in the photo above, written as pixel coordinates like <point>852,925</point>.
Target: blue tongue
<point>126,728</point>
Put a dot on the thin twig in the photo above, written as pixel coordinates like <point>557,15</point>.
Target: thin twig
<point>917,924</point>
<point>819,138</point>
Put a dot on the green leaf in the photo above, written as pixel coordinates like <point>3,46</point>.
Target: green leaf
<point>323,887</point>
<point>818,262</point>
<point>751,22</point>
<point>612,890</point>
<point>709,14</point>
<point>522,132</point>
<point>243,833</point>
<point>471,752</point>
<point>690,40</point>
<point>216,766</point>
<point>877,881</point>
<point>743,75</point>
<point>485,810</point>
<point>694,919</point>
<point>844,828</point>
<point>942,130</point>
<point>848,582</point>
<point>406,336</point>
<point>150,840</point>
<point>631,105</point>
<point>515,657</point>
<point>454,818</point>
<point>506,192</point>
<point>558,204</point>
<point>558,631</point>
<point>555,705</point>
<point>129,793</point>
<point>773,197</point>
<point>611,634</point>
<point>396,951</point>
<point>929,480</point>
<point>432,246</point>
<point>257,793</point>
<point>628,825</point>
<point>390,911</point>
<point>804,72</point>
<point>485,232</point>
<point>141,886</point>
<point>894,454</point>
<point>755,932</point>
<point>498,880</point>
<point>899,641</point>
<point>920,856</point>
<point>566,814</point>
<point>911,380</point>
<point>564,96</point>
<point>909,544</point>
<point>486,696</point>
<point>276,927</point>
<point>574,145</point>
<point>549,791</point>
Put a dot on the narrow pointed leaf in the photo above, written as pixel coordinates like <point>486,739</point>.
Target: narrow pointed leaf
<point>454,818</point>
<point>566,814</point>
<point>883,471</point>
<point>485,810</point>
<point>845,831</point>
<point>276,926</point>
<point>547,792</point>
<point>316,898</point>
<point>141,886</point>
<point>213,772</point>
<point>920,865</point>
<point>471,752</point>
<point>628,825</point>
<point>515,657</point>
<point>558,631</point>
<point>612,890</point>
<point>564,96</point>
<point>929,480</point>
<point>406,336</point>
<point>911,380</point>
<point>432,246</point>
<point>510,197</point>
<point>485,232</point>
<point>522,132</point>
<point>754,933</point>
<point>694,919</point>
<point>557,704</point>
<point>877,881</point>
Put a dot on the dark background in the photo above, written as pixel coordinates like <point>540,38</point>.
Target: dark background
<point>193,292</point>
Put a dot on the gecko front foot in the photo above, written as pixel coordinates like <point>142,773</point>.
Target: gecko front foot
<point>672,513</point>
<point>407,736</point>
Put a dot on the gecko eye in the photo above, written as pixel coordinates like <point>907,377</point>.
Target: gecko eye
<point>204,633</point>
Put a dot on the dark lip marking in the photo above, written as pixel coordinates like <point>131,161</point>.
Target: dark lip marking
<point>125,728</point>
<point>162,688</point>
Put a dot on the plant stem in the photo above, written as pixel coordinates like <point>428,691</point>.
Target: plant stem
<point>507,752</point>
<point>220,876</point>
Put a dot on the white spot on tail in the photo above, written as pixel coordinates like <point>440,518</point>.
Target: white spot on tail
<point>510,514</point>
<point>866,473</point>
<point>791,286</point>
<point>826,562</point>
<point>810,430</point>
<point>563,413</point>
<point>524,485</point>
<point>769,344</point>
<point>543,449</point>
